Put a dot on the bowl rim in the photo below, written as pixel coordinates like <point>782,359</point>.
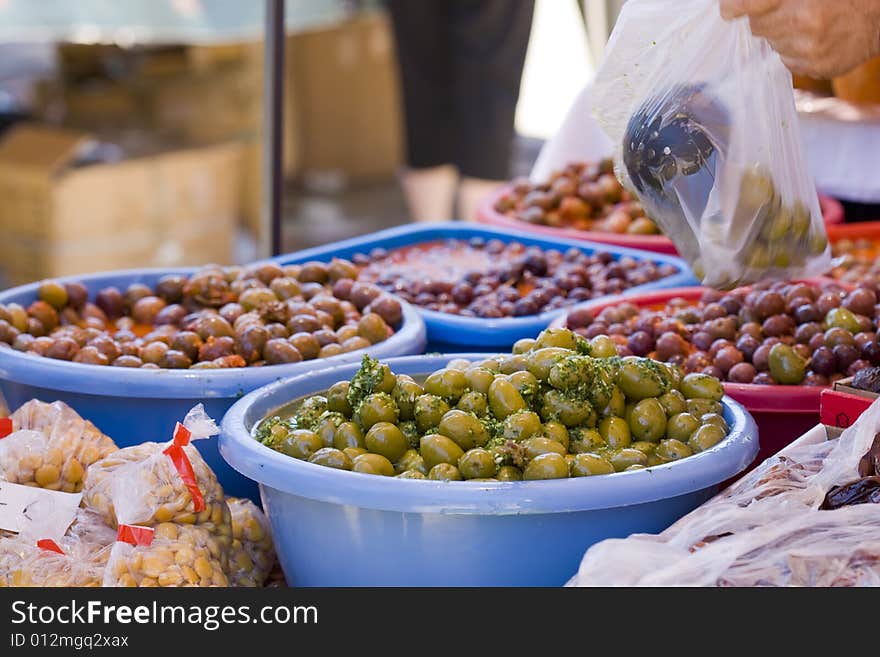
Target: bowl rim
<point>278,471</point>
<point>40,371</point>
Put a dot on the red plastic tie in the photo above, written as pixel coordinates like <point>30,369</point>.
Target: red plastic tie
<point>5,426</point>
<point>181,435</point>
<point>135,535</point>
<point>49,545</point>
<point>184,468</point>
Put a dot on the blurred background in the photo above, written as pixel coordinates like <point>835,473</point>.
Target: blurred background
<point>130,132</point>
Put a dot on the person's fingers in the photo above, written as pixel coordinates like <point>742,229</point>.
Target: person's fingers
<point>731,9</point>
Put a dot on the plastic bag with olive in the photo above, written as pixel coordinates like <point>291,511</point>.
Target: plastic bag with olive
<point>145,485</point>
<point>703,118</point>
<point>51,447</point>
<point>252,555</point>
<point>173,555</point>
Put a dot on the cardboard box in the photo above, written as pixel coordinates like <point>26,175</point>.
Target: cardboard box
<point>59,217</point>
<point>842,405</point>
<point>345,87</point>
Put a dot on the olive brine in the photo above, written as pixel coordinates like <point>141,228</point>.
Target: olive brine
<point>558,406</point>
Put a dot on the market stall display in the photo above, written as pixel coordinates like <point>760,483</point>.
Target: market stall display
<point>316,512</point>
<point>855,248</point>
<point>252,556</point>
<point>111,396</point>
<point>790,339</point>
<point>509,266</point>
<point>558,407</point>
<point>585,201</point>
<point>803,518</point>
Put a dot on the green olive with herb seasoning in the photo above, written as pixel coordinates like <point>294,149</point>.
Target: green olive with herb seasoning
<point>446,383</point>
<point>404,394</point>
<point>557,431</point>
<point>465,429</point>
<point>647,420</point>
<point>546,466</point>
<point>348,434</point>
<point>444,472</point>
<point>588,464</point>
<point>411,460</point>
<point>623,459</point>
<point>300,444</point>
<point>702,386</point>
<point>706,437</point>
<point>375,408</point>
<point>436,448</point>
<point>615,432</point>
<point>521,425</point>
<point>681,426</point>
<point>428,411</point>
<point>477,463</point>
<point>337,398</point>
<point>331,458</point>
<point>509,473</point>
<point>374,464</point>
<point>557,337</point>
<point>479,379</point>
<point>473,402</point>
<point>504,398</point>
<point>386,439</point>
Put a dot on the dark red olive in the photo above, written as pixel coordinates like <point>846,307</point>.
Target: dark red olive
<point>824,361</point>
<point>769,304</point>
<point>815,380</point>
<point>727,357</point>
<point>742,373</point>
<point>860,301</point>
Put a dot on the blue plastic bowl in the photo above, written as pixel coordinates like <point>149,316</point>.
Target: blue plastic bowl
<point>471,332</point>
<point>339,528</point>
<point>134,405</point>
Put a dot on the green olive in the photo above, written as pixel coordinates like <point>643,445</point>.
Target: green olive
<point>524,382</point>
<point>444,472</point>
<point>644,447</point>
<point>411,460</point>
<point>509,473</point>
<point>300,443</point>
<point>374,464</point>
<point>634,467</point>
<point>435,449</point>
<point>559,407</point>
<point>623,459</point>
<point>640,378</point>
<point>647,420</point>
<point>428,411</point>
<point>411,474</point>
<point>404,394</point>
<point>354,452</point>
<point>786,365</point>
<point>585,441</point>
<point>541,445</point>
<point>705,437</point>
<point>473,402</point>
<point>672,450</point>
<point>461,364</point>
<point>326,429</point>
<point>514,363</point>
<point>542,360</point>
<point>378,407</point>
<point>386,439</point>
<point>479,479</point>
<point>492,364</point>
<point>557,431</point>
<point>615,432</point>
<point>673,402</point>
<point>700,407</point>
<point>520,426</point>
<point>465,429</point>
<point>477,463</point>
<point>348,434</point>
<point>546,466</point>
<point>53,293</point>
<point>843,318</point>
<point>681,426</point>
<point>479,379</point>
<point>588,464</point>
<point>504,398</point>
<point>778,226</point>
<point>337,398</point>
<point>717,419</point>
<point>331,458</point>
<point>557,337</point>
<point>616,404</point>
<point>702,386</point>
<point>447,383</point>
<point>603,347</point>
<point>523,345</point>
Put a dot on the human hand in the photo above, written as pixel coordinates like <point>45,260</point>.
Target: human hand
<point>818,38</point>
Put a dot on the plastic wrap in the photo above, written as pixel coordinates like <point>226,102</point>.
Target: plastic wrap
<point>176,555</point>
<point>702,118</point>
<point>154,483</point>
<point>252,555</point>
<point>768,529</point>
<point>51,447</point>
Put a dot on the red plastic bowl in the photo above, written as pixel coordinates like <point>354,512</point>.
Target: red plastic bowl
<point>861,230</point>
<point>783,413</point>
<point>832,211</point>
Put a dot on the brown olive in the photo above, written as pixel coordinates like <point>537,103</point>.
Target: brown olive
<point>210,325</point>
<point>363,294</point>
<point>304,324</point>
<point>175,360</point>
<point>128,361</point>
<point>77,294</point>
<point>154,352</point>
<point>63,348</point>
<point>91,356</point>
<point>388,308</point>
<point>134,292</point>
<point>106,346</point>
<point>330,350</point>
<point>373,328</point>
<point>145,309</point>
<point>354,343</point>
<point>313,272</point>
<point>250,342</point>
<point>214,348</point>
<point>307,345</point>
<point>45,313</point>
<point>278,351</point>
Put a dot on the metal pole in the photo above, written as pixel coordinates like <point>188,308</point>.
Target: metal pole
<point>273,129</point>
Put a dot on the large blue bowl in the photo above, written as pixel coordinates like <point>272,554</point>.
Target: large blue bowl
<point>340,528</point>
<point>471,332</point>
<point>136,405</point>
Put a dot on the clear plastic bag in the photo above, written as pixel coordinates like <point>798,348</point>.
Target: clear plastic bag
<point>703,121</point>
<point>767,529</point>
<point>51,447</point>
<point>252,555</point>
<point>144,485</point>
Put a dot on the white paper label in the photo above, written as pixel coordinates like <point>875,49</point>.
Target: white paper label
<point>25,507</point>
